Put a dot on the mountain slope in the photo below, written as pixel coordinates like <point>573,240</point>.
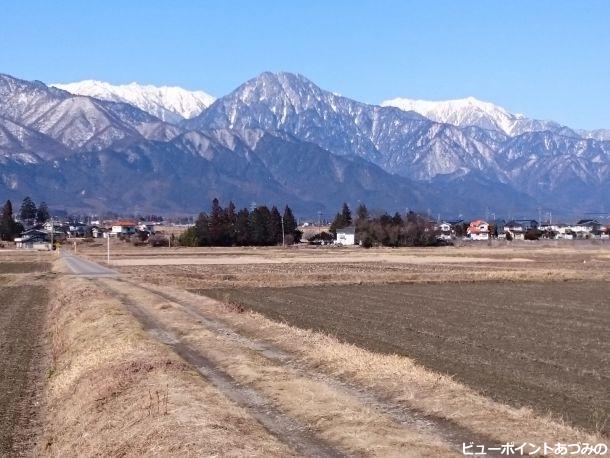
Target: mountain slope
<point>170,104</point>
<point>76,122</point>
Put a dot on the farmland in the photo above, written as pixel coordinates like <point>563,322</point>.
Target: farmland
<point>22,319</point>
<point>305,351</point>
<point>527,344</point>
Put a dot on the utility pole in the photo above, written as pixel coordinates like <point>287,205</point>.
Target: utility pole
<point>283,237</point>
<point>52,230</point>
<point>108,248</point>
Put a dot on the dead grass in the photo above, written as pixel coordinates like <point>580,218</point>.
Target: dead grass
<point>112,391</point>
<point>336,416</point>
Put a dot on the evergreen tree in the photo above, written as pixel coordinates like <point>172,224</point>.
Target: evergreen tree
<point>259,221</point>
<point>7,211</point>
<point>202,230</point>
<point>242,228</point>
<point>291,227</point>
<point>362,213</point>
<point>9,229</point>
<point>42,213</point>
<point>397,219</point>
<point>342,219</point>
<point>229,220</point>
<point>275,226</point>
<point>216,223</point>
<point>28,210</point>
<point>189,237</point>
<point>346,214</point>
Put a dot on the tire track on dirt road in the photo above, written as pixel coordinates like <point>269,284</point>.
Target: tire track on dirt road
<point>449,432</point>
<point>285,428</point>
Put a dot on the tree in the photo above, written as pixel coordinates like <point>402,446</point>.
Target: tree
<point>7,211</point>
<point>216,223</point>
<point>242,228</point>
<point>229,220</point>
<point>189,237</point>
<point>42,213</point>
<point>259,223</point>
<point>9,229</point>
<point>342,219</point>
<point>275,226</point>
<point>293,235</point>
<point>362,213</point>
<point>346,214</point>
<point>28,210</point>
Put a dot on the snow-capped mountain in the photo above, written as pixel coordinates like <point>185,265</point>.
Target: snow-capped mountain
<point>280,138</point>
<point>76,122</point>
<point>170,104</point>
<point>472,112</point>
<point>410,144</point>
<point>404,143</point>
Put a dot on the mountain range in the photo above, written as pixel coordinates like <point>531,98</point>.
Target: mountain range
<point>171,104</point>
<point>279,138</point>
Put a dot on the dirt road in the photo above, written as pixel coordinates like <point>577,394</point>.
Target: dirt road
<point>84,267</point>
<point>22,312</point>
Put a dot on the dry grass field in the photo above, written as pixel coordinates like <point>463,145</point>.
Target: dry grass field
<point>302,266</point>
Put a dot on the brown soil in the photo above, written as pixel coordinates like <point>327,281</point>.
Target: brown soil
<point>22,313</point>
<point>542,345</point>
<point>17,267</point>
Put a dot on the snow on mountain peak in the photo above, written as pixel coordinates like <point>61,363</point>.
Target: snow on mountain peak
<point>472,112</point>
<point>171,104</point>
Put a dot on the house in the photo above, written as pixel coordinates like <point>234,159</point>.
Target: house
<point>123,227</point>
<point>78,230</point>
<point>552,230</point>
<point>98,232</point>
<point>518,227</point>
<point>587,228</point>
<point>478,230</point>
<point>34,239</point>
<point>445,231</point>
<point>146,227</point>
<point>346,236</point>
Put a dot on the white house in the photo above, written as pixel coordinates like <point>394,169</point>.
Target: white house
<point>445,231</point>
<point>147,227</point>
<point>518,227</point>
<point>586,228</point>
<point>346,236</point>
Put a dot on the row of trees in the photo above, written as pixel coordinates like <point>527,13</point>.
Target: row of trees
<point>386,230</point>
<point>29,212</point>
<point>228,227</point>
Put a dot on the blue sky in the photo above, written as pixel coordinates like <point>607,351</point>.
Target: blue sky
<point>547,59</point>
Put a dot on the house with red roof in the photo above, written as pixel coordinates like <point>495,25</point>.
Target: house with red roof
<point>478,230</point>
<point>124,227</point>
